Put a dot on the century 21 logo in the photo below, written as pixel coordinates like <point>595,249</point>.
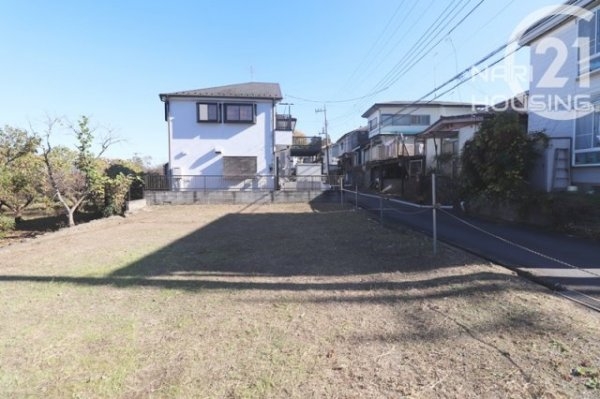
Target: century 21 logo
<point>557,104</point>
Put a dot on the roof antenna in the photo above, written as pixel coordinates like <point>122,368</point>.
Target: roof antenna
<point>251,73</point>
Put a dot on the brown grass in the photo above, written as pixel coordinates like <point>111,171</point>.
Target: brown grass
<point>277,301</point>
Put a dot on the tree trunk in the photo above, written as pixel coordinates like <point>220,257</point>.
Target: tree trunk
<point>70,214</point>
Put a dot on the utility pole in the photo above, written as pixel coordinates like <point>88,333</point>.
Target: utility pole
<point>324,111</point>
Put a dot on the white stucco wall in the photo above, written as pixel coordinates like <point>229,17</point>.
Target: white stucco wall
<point>465,133</point>
<point>195,147</point>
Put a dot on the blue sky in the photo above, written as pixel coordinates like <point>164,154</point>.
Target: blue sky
<point>110,59</point>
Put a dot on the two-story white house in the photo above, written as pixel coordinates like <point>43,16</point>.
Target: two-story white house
<point>350,151</point>
<point>225,137</point>
<point>394,125</point>
<point>564,94</point>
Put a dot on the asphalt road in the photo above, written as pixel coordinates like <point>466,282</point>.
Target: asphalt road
<point>569,265</point>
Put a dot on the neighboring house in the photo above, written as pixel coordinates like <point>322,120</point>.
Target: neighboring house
<point>350,155</point>
<point>333,152</point>
<point>225,137</point>
<point>564,88</point>
<point>301,160</point>
<point>444,140</point>
<point>393,152</point>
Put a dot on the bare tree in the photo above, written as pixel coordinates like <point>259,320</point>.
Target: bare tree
<point>75,175</point>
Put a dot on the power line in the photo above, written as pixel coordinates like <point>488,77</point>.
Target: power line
<point>400,25</point>
<point>462,76</point>
<point>377,89</point>
<point>408,54</point>
<point>485,24</point>
<point>400,72</point>
<point>374,45</point>
<point>459,76</point>
<point>417,104</point>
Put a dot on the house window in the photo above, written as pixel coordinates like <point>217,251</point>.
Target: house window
<point>240,113</point>
<point>239,166</point>
<point>587,138</point>
<point>208,112</point>
<point>373,123</point>
<point>405,120</point>
<point>415,167</point>
<point>420,120</point>
<point>591,30</point>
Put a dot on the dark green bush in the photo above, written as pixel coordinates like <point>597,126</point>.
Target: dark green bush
<point>497,161</point>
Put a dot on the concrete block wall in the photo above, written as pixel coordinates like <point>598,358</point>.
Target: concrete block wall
<point>135,205</point>
<point>238,197</point>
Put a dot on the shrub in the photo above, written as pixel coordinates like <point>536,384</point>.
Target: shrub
<point>6,224</point>
<point>496,162</point>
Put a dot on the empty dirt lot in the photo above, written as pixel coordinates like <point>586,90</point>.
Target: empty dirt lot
<point>278,301</point>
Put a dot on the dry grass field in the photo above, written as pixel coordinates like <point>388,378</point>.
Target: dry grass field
<point>278,301</point>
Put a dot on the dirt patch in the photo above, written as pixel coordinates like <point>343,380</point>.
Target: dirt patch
<point>277,301</point>
<point>39,222</point>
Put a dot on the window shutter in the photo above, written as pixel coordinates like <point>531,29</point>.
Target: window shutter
<point>239,166</point>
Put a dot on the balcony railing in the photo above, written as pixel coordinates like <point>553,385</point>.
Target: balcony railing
<point>393,150</point>
<point>306,146</point>
<point>285,122</point>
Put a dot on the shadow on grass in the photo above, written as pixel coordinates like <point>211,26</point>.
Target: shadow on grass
<point>303,244</point>
<point>238,250</point>
<point>487,282</point>
<point>47,223</point>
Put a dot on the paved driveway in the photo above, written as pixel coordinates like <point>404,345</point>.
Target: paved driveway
<point>569,264</point>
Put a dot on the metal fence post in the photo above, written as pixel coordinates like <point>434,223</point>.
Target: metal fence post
<point>356,197</point>
<point>381,209</point>
<point>341,193</point>
<point>434,213</point>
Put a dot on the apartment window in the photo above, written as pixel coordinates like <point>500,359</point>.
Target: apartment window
<point>208,112</point>
<point>587,139</point>
<point>421,120</point>
<point>373,123</point>
<point>591,29</point>
<point>405,120</point>
<point>387,119</point>
<point>240,113</point>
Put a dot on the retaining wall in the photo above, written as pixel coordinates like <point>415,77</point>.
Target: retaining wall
<point>238,197</point>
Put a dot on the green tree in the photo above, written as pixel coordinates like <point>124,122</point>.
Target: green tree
<point>21,183</point>
<point>497,161</point>
<point>21,177</point>
<point>123,177</point>
<point>75,175</point>
<point>15,143</point>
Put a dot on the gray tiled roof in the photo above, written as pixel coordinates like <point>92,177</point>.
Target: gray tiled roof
<point>256,90</point>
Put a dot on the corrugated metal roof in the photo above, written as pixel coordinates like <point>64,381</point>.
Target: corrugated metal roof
<point>415,104</point>
<point>553,20</point>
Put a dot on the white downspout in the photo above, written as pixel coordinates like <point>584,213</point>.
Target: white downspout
<point>170,132</point>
